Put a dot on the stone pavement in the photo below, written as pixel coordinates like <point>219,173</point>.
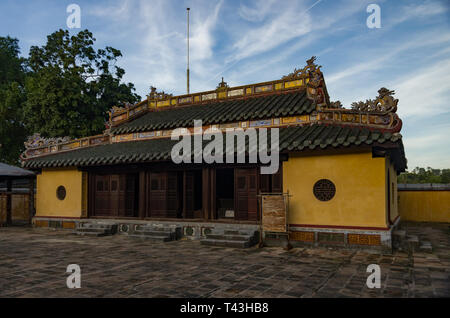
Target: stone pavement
<point>33,263</point>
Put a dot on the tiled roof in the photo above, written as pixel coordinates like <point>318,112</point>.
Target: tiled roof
<point>13,171</point>
<point>292,139</point>
<point>253,108</point>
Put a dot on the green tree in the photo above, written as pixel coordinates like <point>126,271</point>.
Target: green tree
<point>422,175</point>
<point>72,86</point>
<point>12,96</point>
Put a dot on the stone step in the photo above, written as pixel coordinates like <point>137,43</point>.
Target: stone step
<point>159,238</point>
<point>226,243</point>
<point>231,232</point>
<point>236,232</point>
<point>399,234</point>
<point>156,233</point>
<point>97,233</point>
<point>229,237</point>
<point>97,225</point>
<point>426,247</point>
<point>413,240</point>
<point>154,229</point>
<point>93,230</point>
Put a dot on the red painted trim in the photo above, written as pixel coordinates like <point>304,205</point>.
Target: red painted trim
<point>422,190</point>
<point>341,227</point>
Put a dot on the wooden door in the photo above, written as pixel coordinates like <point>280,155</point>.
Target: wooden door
<point>277,181</point>
<point>157,195</point>
<point>114,195</point>
<point>265,181</point>
<point>102,203</point>
<point>245,185</point>
<point>163,195</point>
<point>172,195</point>
<point>127,195</point>
<point>189,195</point>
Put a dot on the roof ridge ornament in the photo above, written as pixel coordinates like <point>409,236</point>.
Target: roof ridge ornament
<point>36,141</point>
<point>158,95</point>
<point>222,85</point>
<point>311,70</point>
<point>336,104</point>
<point>384,102</point>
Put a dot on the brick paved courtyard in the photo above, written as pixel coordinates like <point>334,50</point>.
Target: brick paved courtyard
<point>33,264</point>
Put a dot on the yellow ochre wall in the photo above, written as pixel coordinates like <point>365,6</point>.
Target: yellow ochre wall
<point>393,193</point>
<point>424,206</point>
<point>47,203</point>
<point>360,198</point>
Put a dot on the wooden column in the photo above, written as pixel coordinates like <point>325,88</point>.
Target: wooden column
<point>31,198</point>
<point>205,192</point>
<point>209,193</point>
<point>184,209</point>
<point>142,194</point>
<point>8,201</point>
<point>91,194</point>
<point>212,211</point>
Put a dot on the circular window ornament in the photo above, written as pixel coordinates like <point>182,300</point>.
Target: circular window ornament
<point>324,190</point>
<point>61,193</point>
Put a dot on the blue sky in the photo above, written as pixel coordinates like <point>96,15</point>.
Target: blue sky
<point>254,41</point>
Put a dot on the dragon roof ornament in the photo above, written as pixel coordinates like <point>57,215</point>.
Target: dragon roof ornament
<point>311,70</point>
<point>158,95</point>
<point>36,141</point>
<point>337,104</point>
<point>384,102</point>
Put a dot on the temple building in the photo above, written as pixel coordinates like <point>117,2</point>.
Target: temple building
<point>338,166</point>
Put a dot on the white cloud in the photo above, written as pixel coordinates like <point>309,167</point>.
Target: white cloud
<point>202,40</point>
<point>422,84</point>
<point>120,11</point>
<point>421,11</point>
<point>258,12</point>
<point>283,27</point>
<point>424,92</point>
<point>429,148</point>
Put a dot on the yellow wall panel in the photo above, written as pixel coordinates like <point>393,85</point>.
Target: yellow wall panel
<point>360,198</point>
<point>47,204</point>
<point>424,206</point>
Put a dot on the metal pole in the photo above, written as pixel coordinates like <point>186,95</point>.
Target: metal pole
<point>188,50</point>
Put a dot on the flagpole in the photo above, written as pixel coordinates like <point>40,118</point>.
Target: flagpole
<point>187,50</point>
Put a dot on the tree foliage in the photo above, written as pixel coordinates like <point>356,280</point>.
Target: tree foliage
<point>12,96</point>
<point>72,86</point>
<point>428,175</point>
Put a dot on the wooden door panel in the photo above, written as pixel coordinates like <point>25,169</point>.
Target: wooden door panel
<point>114,195</point>
<point>172,195</point>
<point>277,181</point>
<point>157,195</point>
<point>101,197</point>
<point>252,175</point>
<point>246,190</point>
<point>163,195</point>
<point>129,195</point>
<point>188,188</point>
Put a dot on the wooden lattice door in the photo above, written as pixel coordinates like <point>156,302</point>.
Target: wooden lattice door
<point>188,189</point>
<point>245,185</point>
